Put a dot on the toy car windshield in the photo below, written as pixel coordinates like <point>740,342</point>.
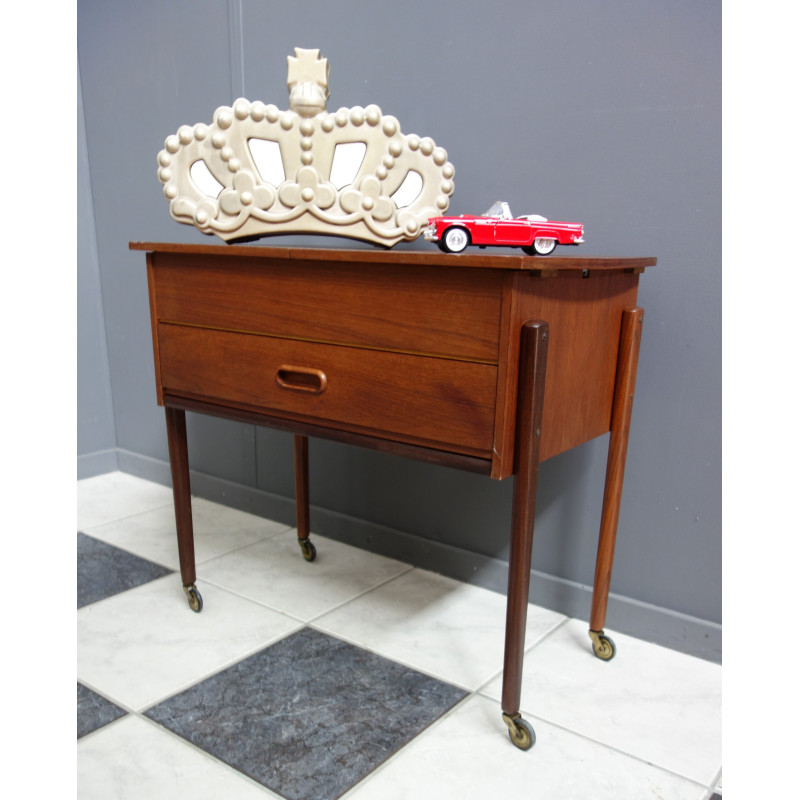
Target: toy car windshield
<point>498,209</point>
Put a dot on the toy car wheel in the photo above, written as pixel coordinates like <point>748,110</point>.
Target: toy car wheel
<point>455,240</point>
<point>543,247</point>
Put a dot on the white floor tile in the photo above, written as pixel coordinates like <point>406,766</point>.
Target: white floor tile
<point>468,755</point>
<point>217,530</point>
<point>657,704</point>
<point>116,495</point>
<point>144,644</point>
<point>134,759</point>
<point>275,573</point>
<point>445,628</point>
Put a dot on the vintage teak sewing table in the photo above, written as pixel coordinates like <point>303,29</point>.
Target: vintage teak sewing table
<point>489,363</point>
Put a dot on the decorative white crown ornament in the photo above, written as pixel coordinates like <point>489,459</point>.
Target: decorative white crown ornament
<point>257,170</point>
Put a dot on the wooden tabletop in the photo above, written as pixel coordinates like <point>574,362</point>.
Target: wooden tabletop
<point>496,260</point>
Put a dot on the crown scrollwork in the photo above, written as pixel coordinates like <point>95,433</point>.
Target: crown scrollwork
<point>257,170</point>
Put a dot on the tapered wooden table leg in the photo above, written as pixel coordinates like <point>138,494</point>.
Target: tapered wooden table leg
<point>181,494</point>
<point>301,497</point>
<point>533,367</point>
<point>630,339</point>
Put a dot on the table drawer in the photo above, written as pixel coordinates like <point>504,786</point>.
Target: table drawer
<point>434,402</point>
<point>446,312</point>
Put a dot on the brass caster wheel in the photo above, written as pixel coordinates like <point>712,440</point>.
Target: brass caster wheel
<point>308,549</point>
<point>603,646</point>
<point>519,731</point>
<point>194,598</point>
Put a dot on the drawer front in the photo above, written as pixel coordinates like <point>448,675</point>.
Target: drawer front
<point>445,312</point>
<point>432,402</point>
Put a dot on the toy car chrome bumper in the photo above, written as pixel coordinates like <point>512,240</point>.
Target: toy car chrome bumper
<point>430,234</point>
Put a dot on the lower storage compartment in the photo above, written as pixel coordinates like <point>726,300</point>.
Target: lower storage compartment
<point>434,402</point>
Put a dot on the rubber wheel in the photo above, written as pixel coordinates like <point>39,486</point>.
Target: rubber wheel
<point>195,599</point>
<point>543,247</point>
<point>604,648</point>
<point>523,735</point>
<point>308,549</point>
<point>455,240</point>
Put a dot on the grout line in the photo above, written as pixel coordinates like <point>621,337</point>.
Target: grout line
<point>480,690</point>
<point>232,661</point>
<point>218,762</point>
<point>613,748</point>
<point>358,596</point>
<point>86,528</point>
<point>124,549</point>
<point>368,649</point>
<point>176,568</point>
<point>556,626</point>
<point>714,786</point>
<point>235,593</point>
<point>264,538</point>
<point>263,604</point>
<point>126,708</point>
<point>399,752</point>
<point>107,725</point>
<point>105,600</point>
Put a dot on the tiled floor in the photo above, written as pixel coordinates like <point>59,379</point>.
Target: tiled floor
<point>355,676</point>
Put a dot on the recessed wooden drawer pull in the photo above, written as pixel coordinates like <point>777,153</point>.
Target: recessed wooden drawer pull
<point>301,379</point>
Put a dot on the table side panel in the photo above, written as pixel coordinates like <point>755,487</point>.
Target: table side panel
<point>443,312</point>
<point>433,402</point>
<point>585,316</point>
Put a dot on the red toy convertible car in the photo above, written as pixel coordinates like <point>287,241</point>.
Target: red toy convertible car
<point>534,234</point>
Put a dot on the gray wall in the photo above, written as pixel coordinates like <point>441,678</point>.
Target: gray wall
<point>96,440</point>
<point>603,111</point>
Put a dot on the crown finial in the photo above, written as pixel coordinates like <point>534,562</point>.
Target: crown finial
<point>308,82</point>
<point>257,170</point>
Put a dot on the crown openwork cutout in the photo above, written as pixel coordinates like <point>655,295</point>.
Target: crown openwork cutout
<point>257,170</point>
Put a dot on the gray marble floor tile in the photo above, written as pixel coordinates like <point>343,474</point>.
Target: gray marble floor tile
<point>105,570</point>
<point>309,716</point>
<point>94,711</point>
